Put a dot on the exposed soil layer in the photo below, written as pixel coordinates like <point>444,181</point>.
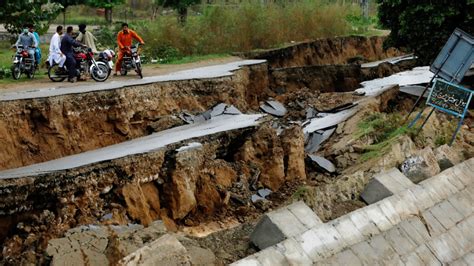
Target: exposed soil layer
<point>329,78</point>
<point>37,130</point>
<point>330,51</point>
<point>208,183</point>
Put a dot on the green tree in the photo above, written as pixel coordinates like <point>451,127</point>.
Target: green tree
<point>15,13</point>
<point>107,5</point>
<point>424,26</point>
<point>181,6</point>
<point>66,4</point>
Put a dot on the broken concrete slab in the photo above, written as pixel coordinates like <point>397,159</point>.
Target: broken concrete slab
<point>137,146</point>
<point>317,138</point>
<point>274,108</point>
<point>391,60</point>
<point>415,90</point>
<point>166,250</point>
<point>326,120</point>
<point>384,185</point>
<point>207,72</point>
<point>283,223</point>
<point>418,75</point>
<point>216,110</point>
<point>421,166</point>
<point>446,157</point>
<point>323,163</point>
<point>264,192</point>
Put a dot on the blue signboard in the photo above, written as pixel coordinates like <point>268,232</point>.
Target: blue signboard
<point>455,58</point>
<point>450,98</point>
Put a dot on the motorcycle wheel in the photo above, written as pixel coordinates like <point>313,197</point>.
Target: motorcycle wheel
<point>104,69</point>
<point>31,74</point>
<point>16,71</point>
<point>139,69</point>
<point>123,72</point>
<point>54,74</point>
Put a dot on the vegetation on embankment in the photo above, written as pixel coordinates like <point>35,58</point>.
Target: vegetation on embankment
<point>222,29</point>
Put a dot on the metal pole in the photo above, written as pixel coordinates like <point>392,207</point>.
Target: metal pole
<point>426,120</point>
<point>456,132</point>
<point>419,99</point>
<point>427,86</point>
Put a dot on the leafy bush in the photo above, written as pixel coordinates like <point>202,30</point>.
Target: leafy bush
<point>5,72</point>
<point>107,36</point>
<point>247,26</point>
<point>424,26</point>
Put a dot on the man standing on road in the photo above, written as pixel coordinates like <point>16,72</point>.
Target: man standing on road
<point>55,54</point>
<point>67,43</point>
<point>124,41</point>
<point>28,41</point>
<point>86,38</point>
<point>31,29</point>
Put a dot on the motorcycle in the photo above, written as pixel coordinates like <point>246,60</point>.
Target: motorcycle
<point>22,63</point>
<point>85,65</point>
<point>131,60</point>
<point>107,56</point>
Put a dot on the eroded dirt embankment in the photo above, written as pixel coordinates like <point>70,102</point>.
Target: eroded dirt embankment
<point>186,187</point>
<point>329,51</point>
<point>42,129</point>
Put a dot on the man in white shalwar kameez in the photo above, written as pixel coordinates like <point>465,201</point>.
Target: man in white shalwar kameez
<point>55,55</point>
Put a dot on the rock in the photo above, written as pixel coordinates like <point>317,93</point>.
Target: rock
<point>340,128</point>
<point>180,192</point>
<point>166,250</point>
<point>80,247</point>
<point>400,151</point>
<point>421,166</point>
<point>264,150</point>
<point>292,140</point>
<point>143,202</point>
<point>201,256</point>
<point>263,204</point>
<point>446,157</point>
<point>165,123</point>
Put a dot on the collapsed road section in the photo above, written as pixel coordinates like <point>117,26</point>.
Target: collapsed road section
<point>109,174</point>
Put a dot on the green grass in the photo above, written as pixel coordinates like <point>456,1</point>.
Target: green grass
<point>383,130</point>
<point>6,54</point>
<point>38,75</point>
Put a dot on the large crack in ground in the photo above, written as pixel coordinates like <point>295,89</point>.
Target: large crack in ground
<point>199,184</point>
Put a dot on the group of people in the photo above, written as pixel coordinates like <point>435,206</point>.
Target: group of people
<point>61,50</point>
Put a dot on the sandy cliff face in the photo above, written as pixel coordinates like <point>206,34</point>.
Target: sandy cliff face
<point>43,129</point>
<point>329,51</point>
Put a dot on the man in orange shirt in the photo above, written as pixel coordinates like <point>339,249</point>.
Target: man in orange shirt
<point>124,40</point>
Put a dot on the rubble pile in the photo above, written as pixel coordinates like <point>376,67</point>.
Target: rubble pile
<point>179,169</point>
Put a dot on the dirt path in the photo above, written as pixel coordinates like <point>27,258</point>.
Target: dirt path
<point>151,70</point>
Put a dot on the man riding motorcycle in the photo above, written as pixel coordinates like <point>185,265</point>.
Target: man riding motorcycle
<point>67,44</point>
<point>124,41</point>
<point>28,41</point>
